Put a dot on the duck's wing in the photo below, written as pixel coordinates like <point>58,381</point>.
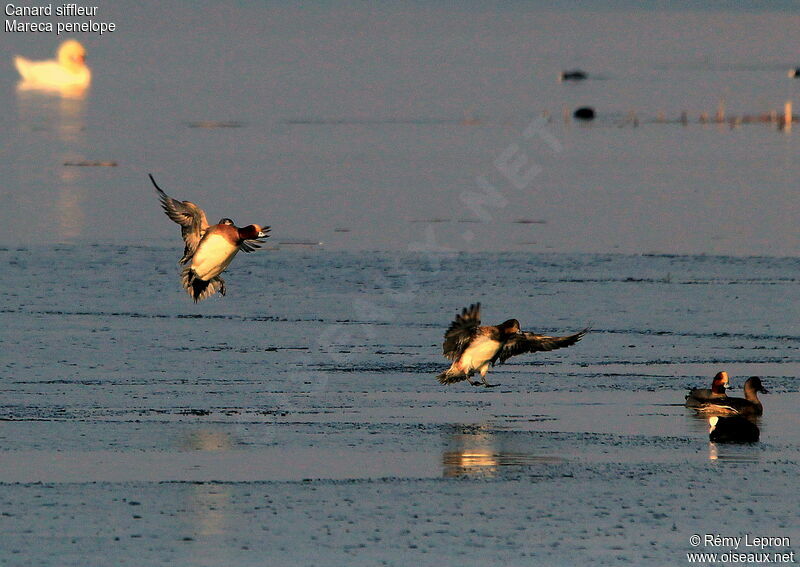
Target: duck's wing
<point>531,342</point>
<point>189,216</point>
<point>698,396</point>
<point>461,331</point>
<point>712,408</point>
<point>253,244</point>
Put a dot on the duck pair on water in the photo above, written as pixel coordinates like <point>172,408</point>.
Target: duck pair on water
<point>717,402</point>
<point>731,419</point>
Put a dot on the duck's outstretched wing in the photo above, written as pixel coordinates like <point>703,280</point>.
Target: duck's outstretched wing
<point>189,216</point>
<point>463,328</point>
<point>531,342</point>
<point>253,244</point>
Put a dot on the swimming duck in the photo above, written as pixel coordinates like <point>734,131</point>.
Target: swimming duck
<point>68,70</point>
<point>474,348</point>
<point>210,248</point>
<point>698,396</point>
<point>735,429</point>
<point>749,405</point>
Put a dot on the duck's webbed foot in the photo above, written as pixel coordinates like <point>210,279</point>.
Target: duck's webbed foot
<point>486,384</point>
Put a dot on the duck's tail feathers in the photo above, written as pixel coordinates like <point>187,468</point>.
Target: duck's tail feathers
<point>451,376</point>
<point>22,65</point>
<point>199,289</point>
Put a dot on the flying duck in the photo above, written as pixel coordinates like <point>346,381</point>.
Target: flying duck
<point>735,429</point>
<point>748,406</point>
<point>209,248</point>
<point>473,348</point>
<point>698,396</point>
<point>68,70</point>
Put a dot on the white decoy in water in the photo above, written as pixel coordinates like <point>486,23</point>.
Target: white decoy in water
<point>67,70</point>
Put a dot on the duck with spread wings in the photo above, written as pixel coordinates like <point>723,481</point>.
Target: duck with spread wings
<point>209,248</point>
<point>474,348</point>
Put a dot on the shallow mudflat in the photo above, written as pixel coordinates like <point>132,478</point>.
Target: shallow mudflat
<point>299,416</point>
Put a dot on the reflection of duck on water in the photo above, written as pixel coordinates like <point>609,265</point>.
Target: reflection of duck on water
<point>483,451</point>
<point>68,70</point>
<point>470,451</point>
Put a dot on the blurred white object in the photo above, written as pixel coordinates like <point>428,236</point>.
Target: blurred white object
<point>69,70</point>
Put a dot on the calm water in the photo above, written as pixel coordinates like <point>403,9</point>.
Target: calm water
<point>107,334</point>
<point>356,125</point>
<point>145,429</point>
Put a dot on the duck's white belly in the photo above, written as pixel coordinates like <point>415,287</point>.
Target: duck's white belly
<point>480,352</point>
<point>212,256</point>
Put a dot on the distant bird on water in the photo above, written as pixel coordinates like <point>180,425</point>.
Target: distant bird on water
<point>209,248</point>
<point>473,348</point>
<point>68,70</point>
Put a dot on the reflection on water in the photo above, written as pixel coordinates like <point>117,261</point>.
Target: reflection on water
<point>52,126</point>
<point>69,212</point>
<point>749,453</point>
<point>208,509</point>
<point>208,504</point>
<point>206,440</point>
<point>65,92</point>
<point>481,451</point>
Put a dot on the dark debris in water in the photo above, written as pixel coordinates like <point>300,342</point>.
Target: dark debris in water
<point>215,124</point>
<point>91,163</point>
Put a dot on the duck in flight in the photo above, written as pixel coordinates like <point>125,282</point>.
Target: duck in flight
<point>208,250</point>
<point>474,348</point>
